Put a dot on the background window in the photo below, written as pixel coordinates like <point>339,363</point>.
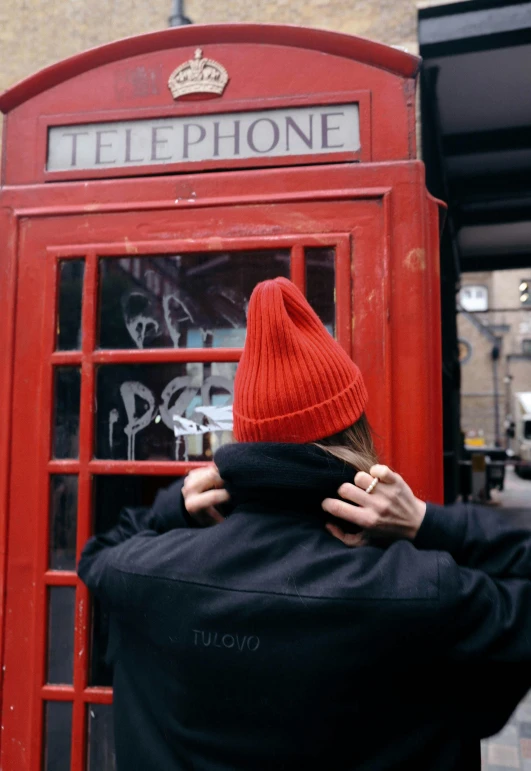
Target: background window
<point>474,298</point>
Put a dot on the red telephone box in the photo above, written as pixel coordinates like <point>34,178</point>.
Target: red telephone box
<point>147,186</point>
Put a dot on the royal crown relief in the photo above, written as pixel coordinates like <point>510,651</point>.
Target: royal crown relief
<point>198,76</point>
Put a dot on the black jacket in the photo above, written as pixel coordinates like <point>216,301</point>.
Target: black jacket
<point>264,643</point>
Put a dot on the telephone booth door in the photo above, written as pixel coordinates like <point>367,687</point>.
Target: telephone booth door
<point>131,346</point>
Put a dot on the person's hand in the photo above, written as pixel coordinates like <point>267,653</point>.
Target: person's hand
<point>203,490</point>
<point>390,511</point>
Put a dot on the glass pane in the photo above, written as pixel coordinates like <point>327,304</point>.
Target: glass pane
<point>321,284</point>
<point>66,420</point>
<point>163,411</point>
<point>61,612</point>
<point>69,304</point>
<point>182,301</point>
<point>58,731</point>
<point>100,748</point>
<point>63,522</point>
<point>111,494</point>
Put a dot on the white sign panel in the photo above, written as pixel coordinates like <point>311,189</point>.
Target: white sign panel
<point>296,131</point>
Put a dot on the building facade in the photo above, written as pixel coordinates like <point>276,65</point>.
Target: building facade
<point>494,327</point>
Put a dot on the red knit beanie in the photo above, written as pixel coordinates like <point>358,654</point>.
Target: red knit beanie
<point>294,382</point>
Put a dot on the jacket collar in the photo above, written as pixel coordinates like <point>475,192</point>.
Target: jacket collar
<point>287,477</point>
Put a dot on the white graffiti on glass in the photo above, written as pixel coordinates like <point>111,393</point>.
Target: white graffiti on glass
<point>143,327</point>
<point>217,417</point>
<point>140,325</point>
<point>142,319</point>
<point>175,316</point>
<point>114,417</point>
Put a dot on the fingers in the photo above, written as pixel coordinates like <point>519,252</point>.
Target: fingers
<point>349,539</point>
<point>198,501</point>
<point>390,510</point>
<point>363,480</point>
<point>362,517</point>
<point>379,472</point>
<point>204,477</point>
<point>215,516</point>
<point>201,479</point>
<point>208,517</point>
<point>384,474</point>
<point>356,495</point>
<point>203,490</point>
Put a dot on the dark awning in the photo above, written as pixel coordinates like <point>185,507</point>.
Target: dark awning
<point>477,74</point>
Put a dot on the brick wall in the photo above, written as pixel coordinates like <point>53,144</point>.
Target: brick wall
<point>35,33</point>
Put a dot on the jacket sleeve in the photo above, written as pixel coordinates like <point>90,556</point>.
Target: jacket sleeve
<point>477,538</point>
<point>485,591</point>
<point>484,618</point>
<point>102,551</point>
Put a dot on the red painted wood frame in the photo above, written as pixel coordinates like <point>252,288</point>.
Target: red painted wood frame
<point>383,272</point>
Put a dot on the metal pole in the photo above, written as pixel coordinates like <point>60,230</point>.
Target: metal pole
<point>178,19</point>
<point>495,354</point>
<point>509,417</point>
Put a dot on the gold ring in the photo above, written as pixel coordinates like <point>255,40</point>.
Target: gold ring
<point>372,486</point>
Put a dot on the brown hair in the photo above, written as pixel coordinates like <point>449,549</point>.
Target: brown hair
<point>354,445</point>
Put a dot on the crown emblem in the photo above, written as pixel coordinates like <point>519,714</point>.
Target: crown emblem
<point>198,76</point>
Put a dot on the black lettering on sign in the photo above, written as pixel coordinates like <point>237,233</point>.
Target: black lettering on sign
<point>223,640</point>
<point>326,129</point>
<point>74,135</point>
<point>187,141</point>
<point>103,145</point>
<point>307,139</point>
<point>155,142</point>
<point>128,158</point>
<point>251,138</point>
<point>235,136</point>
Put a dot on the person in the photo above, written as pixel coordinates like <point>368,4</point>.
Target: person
<point>263,642</point>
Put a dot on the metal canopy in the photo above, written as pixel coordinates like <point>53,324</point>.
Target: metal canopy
<point>476,86</point>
